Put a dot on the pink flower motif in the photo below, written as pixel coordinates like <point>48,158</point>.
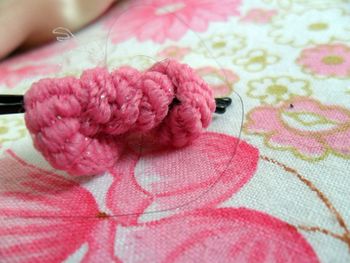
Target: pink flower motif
<point>174,52</point>
<point>203,174</point>
<point>212,235</point>
<point>220,80</point>
<point>259,16</point>
<point>31,64</point>
<point>327,60</point>
<point>12,76</point>
<point>45,217</point>
<point>159,20</point>
<point>304,126</point>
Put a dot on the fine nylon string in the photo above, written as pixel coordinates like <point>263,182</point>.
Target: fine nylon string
<point>238,102</point>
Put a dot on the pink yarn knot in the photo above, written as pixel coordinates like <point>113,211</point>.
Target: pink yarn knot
<point>79,125</point>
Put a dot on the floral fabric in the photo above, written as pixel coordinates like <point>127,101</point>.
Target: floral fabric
<point>267,182</point>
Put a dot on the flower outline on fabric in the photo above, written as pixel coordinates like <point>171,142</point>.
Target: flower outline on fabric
<point>220,80</point>
<point>314,26</point>
<point>159,20</point>
<point>220,45</point>
<point>332,60</point>
<point>309,129</point>
<point>272,90</point>
<point>165,179</point>
<point>11,129</point>
<point>284,4</point>
<point>259,16</point>
<point>174,52</point>
<point>245,235</point>
<point>49,210</point>
<point>139,62</point>
<point>256,60</point>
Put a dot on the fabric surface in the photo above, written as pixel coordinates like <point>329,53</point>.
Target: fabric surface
<point>267,182</point>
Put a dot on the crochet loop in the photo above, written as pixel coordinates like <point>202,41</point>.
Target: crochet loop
<point>79,125</point>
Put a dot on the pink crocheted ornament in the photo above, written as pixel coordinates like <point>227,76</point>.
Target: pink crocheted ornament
<point>79,125</point>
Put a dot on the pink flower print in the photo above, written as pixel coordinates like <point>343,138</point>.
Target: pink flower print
<point>220,80</point>
<point>216,235</point>
<point>331,60</point>
<point>159,20</point>
<point>304,126</point>
<point>203,174</point>
<point>12,76</point>
<point>174,52</point>
<point>259,16</point>
<point>31,64</point>
<point>45,217</point>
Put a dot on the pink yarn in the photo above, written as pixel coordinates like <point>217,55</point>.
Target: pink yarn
<point>79,125</point>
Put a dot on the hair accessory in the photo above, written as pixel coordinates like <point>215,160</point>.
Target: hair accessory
<point>10,104</point>
<point>80,125</point>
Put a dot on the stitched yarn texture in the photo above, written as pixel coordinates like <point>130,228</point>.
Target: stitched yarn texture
<point>80,124</point>
<point>268,181</point>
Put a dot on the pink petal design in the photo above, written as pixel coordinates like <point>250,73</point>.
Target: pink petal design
<point>224,80</point>
<point>39,54</point>
<point>340,142</point>
<point>334,113</point>
<point>313,147</point>
<point>313,60</point>
<point>41,213</point>
<point>259,16</point>
<point>203,174</point>
<point>159,20</point>
<point>260,124</point>
<point>101,243</point>
<point>14,76</point>
<point>227,235</point>
<point>308,144</point>
<point>125,196</point>
<point>174,52</point>
<point>32,64</point>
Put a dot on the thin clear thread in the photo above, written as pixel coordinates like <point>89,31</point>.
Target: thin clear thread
<point>185,204</point>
